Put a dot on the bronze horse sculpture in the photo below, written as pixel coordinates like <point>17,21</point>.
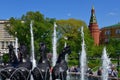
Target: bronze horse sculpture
<point>6,72</point>
<point>23,60</point>
<point>12,56</point>
<point>18,70</point>
<point>42,71</point>
<point>24,65</point>
<point>60,69</point>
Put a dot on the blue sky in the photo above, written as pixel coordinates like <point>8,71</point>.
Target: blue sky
<point>107,11</point>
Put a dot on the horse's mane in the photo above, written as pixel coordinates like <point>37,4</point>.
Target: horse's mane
<point>12,56</point>
<point>42,50</point>
<point>65,51</point>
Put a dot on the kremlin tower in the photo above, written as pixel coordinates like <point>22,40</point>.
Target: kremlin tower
<point>93,27</point>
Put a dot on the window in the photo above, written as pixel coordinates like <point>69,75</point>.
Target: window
<point>107,32</point>
<point>7,44</point>
<point>2,45</point>
<point>117,31</point>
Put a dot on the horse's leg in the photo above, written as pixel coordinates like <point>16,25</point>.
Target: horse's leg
<point>47,75</point>
<point>63,75</point>
<point>53,76</point>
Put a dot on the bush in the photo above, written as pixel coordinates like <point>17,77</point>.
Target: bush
<point>6,58</point>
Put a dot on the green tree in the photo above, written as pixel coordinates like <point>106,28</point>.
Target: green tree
<point>113,47</point>
<point>41,28</point>
<point>71,29</point>
<point>5,58</point>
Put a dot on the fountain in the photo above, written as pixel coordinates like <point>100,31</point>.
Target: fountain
<point>16,46</point>
<point>60,65</point>
<point>54,58</point>
<point>32,47</point>
<point>16,70</point>
<point>24,70</point>
<point>42,71</point>
<point>31,71</point>
<point>105,65</point>
<point>83,65</point>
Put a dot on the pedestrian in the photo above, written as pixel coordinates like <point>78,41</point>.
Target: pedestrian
<point>99,72</point>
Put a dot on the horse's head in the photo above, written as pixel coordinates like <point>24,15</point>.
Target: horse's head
<point>67,50</point>
<point>42,47</point>
<point>42,51</point>
<point>23,50</point>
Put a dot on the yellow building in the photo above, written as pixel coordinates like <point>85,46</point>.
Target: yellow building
<point>108,32</point>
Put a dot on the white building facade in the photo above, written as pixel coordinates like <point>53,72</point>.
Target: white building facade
<point>5,38</point>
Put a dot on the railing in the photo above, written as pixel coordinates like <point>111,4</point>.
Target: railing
<point>76,76</point>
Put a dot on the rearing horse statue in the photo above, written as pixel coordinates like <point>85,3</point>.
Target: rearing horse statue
<point>9,69</point>
<point>12,56</point>
<point>60,69</point>
<point>42,71</point>
<point>23,61</point>
<point>22,52</point>
<point>23,69</point>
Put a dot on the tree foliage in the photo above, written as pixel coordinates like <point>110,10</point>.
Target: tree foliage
<point>113,47</point>
<point>68,31</point>
<point>41,28</point>
<point>71,29</point>
<point>6,58</point>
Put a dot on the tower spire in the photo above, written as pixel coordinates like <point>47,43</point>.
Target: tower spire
<point>93,17</point>
<point>93,7</point>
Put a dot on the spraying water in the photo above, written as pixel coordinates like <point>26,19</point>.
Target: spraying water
<point>65,44</point>
<point>66,56</point>
<point>83,57</point>
<point>54,58</point>
<point>32,46</point>
<point>32,49</point>
<point>16,46</point>
<point>105,65</point>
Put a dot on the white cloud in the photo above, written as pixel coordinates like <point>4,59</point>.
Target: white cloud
<point>112,14</point>
<point>69,14</point>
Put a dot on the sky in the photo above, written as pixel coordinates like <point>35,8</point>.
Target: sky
<point>107,11</point>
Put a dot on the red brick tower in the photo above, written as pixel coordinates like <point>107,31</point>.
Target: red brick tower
<point>93,27</point>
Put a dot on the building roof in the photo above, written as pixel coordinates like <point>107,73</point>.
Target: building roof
<point>112,26</point>
<point>3,21</point>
